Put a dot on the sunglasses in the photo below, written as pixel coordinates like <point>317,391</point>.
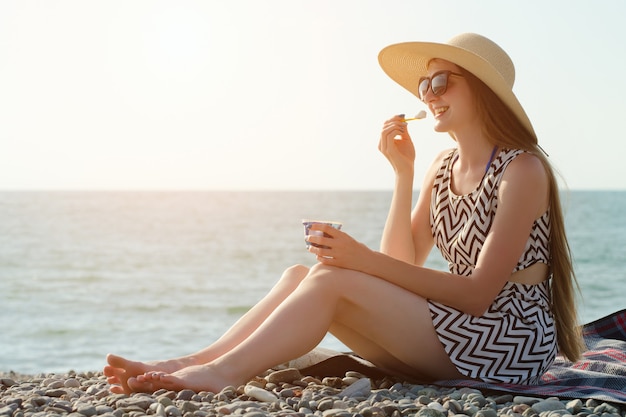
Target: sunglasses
<point>438,83</point>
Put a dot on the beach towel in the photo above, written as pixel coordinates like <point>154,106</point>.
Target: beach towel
<point>599,375</point>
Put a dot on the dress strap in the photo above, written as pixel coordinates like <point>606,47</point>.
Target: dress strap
<point>493,153</point>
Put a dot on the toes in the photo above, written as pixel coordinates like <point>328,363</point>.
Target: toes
<point>152,376</point>
<point>152,381</point>
<point>158,376</point>
<point>148,380</point>
<point>117,361</point>
<point>108,370</point>
<point>112,374</point>
<point>167,380</point>
<point>116,389</point>
<point>137,385</point>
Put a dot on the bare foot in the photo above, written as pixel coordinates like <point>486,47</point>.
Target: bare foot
<point>196,378</point>
<point>119,370</point>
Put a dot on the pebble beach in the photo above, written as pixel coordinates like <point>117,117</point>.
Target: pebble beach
<point>283,392</point>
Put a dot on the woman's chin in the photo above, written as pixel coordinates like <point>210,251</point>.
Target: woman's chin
<point>438,127</point>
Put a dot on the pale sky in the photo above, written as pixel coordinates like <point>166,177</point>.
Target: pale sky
<point>281,94</point>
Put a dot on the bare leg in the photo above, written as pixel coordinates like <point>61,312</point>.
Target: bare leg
<point>386,324</point>
<point>119,369</point>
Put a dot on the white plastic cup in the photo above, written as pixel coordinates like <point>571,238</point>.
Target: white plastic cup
<point>308,232</point>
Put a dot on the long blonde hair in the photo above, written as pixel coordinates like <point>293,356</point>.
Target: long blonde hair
<point>502,128</point>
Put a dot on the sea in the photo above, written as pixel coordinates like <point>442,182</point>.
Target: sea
<point>152,275</point>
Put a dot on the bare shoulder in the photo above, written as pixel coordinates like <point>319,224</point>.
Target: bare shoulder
<point>526,180</point>
<point>526,168</point>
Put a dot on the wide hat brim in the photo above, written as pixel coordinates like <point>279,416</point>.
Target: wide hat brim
<point>406,62</point>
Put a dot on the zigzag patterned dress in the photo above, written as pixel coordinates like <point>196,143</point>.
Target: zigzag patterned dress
<point>515,340</point>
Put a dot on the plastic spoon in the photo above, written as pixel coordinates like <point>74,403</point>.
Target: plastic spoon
<point>420,115</point>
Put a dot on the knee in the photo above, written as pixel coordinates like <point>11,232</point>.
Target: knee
<point>294,275</point>
<point>321,274</point>
<point>321,269</point>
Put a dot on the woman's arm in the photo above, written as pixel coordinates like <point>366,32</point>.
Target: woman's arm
<point>406,236</point>
<point>397,239</point>
<point>396,145</point>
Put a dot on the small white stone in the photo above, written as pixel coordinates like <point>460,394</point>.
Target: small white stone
<point>260,394</point>
<point>436,406</point>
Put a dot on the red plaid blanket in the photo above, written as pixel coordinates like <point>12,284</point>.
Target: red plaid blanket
<point>600,374</point>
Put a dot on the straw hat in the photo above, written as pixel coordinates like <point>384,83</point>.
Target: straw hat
<point>406,62</point>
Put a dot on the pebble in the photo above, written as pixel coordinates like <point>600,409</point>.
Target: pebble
<point>279,393</point>
<point>548,405</point>
<point>285,375</point>
<point>430,412</point>
<point>260,394</point>
<point>358,388</point>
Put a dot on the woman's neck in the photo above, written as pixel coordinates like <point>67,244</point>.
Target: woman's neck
<point>474,150</point>
<point>474,158</point>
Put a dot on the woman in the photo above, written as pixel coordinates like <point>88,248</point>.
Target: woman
<point>491,205</point>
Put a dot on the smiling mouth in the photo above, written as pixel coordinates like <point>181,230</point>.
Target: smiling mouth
<point>440,110</point>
